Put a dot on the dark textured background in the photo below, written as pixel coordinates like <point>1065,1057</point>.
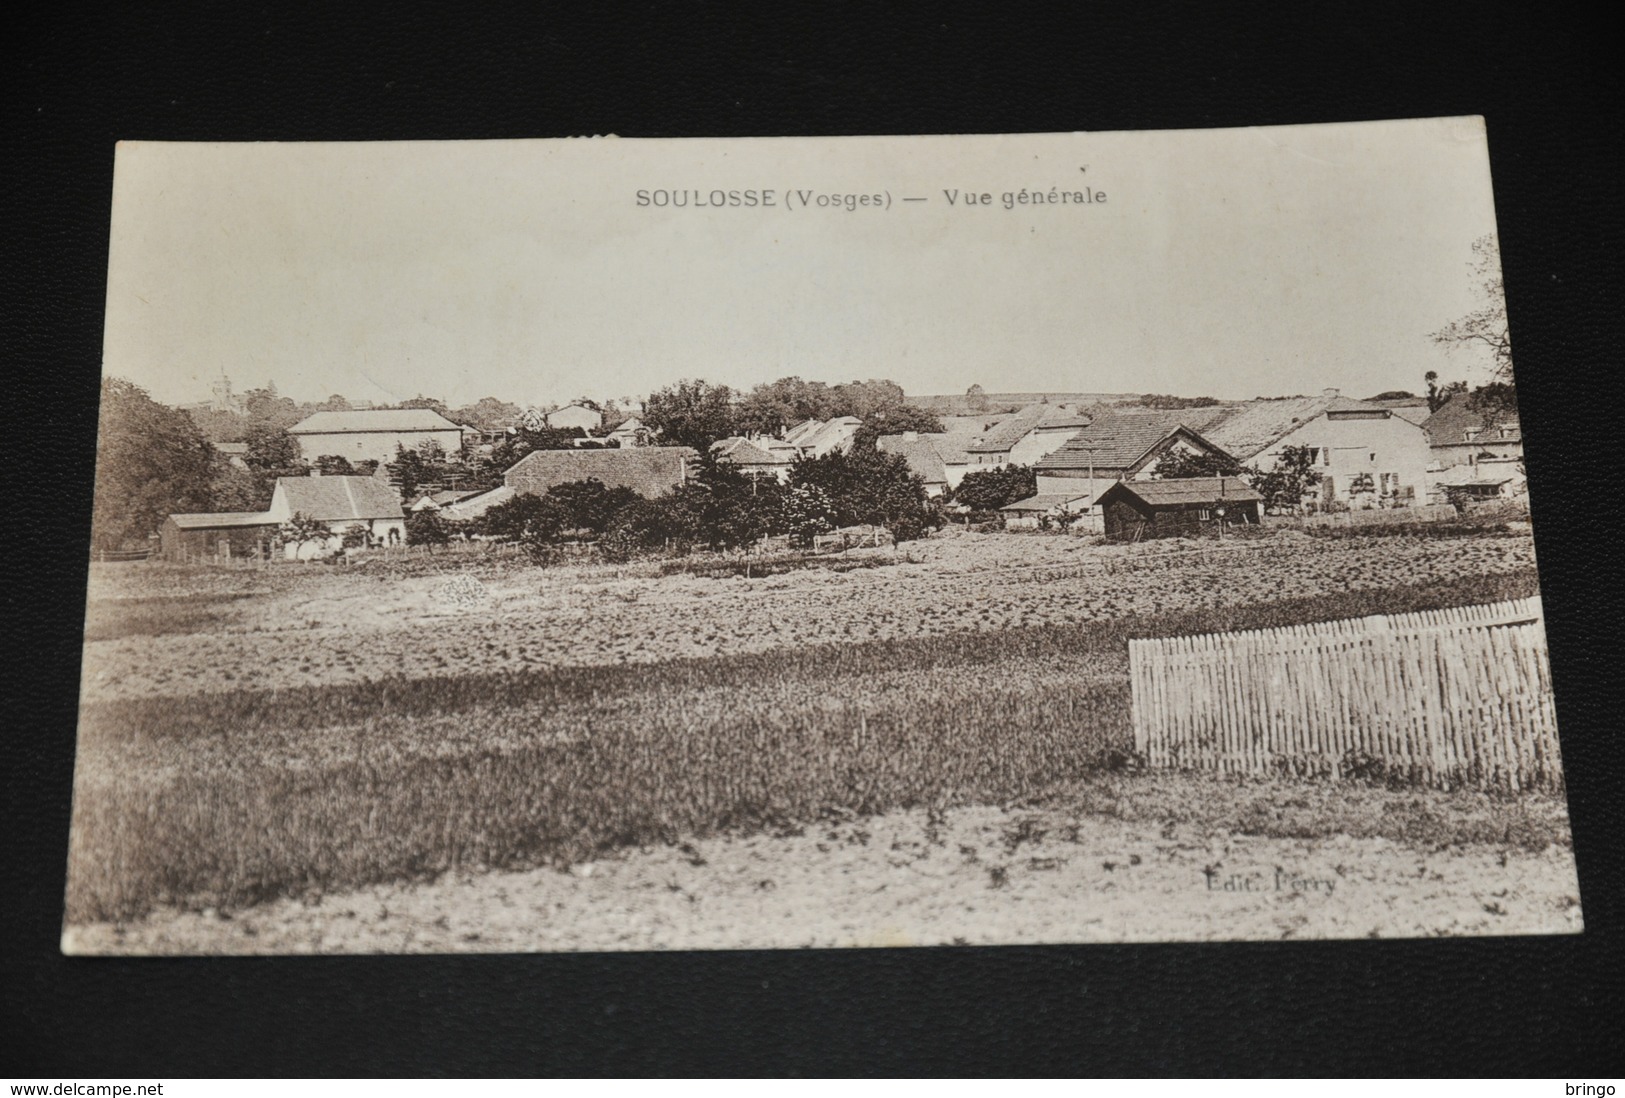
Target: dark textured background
<point>78,79</point>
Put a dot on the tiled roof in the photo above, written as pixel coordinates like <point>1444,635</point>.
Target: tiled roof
<point>220,519</point>
<point>1187,490</point>
<point>1450,424</point>
<point>1119,441</point>
<point>386,419</point>
<point>1010,430</point>
<point>648,470</point>
<point>744,451</point>
<point>1058,417</point>
<point>329,499</point>
<point>921,454</point>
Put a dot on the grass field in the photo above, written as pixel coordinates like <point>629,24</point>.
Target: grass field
<point>388,737</point>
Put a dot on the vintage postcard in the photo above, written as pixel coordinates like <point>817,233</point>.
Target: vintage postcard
<point>615,544</point>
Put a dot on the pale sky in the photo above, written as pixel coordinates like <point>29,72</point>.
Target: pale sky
<point>1230,263</point>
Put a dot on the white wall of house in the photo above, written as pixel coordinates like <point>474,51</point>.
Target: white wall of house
<point>373,445</point>
<point>1392,452</point>
<point>1039,442</point>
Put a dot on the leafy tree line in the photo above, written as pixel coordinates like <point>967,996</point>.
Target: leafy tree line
<point>696,413</point>
<point>720,507</point>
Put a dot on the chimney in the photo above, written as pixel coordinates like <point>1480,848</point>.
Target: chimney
<point>1331,392</point>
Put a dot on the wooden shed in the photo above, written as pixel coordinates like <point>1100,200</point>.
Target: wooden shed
<point>1138,509</point>
<point>217,536</point>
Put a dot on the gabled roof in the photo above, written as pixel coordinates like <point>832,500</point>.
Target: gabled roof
<point>1010,430</point>
<point>379,419</point>
<point>744,451</point>
<point>1450,424</point>
<point>331,499</point>
<point>829,433</point>
<point>627,426</point>
<point>920,452</point>
<point>1186,490</point>
<point>1122,441</point>
<point>214,520</point>
<point>648,470</point>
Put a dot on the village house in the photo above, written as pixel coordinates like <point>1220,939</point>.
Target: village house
<point>940,458</point>
<point>1460,435</point>
<point>575,416</point>
<point>816,438</point>
<point>629,432</point>
<point>1367,455</point>
<point>762,456</point>
<point>1027,436</point>
<point>374,435</point>
<point>649,471</point>
<point>1133,510</point>
<point>340,503</point>
<point>1126,446</point>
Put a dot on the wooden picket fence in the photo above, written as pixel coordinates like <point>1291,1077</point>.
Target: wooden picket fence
<point>1447,698</point>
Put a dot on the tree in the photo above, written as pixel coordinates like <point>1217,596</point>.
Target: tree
<point>894,421</point>
<point>522,518</point>
<point>488,414</point>
<point>1186,464</point>
<point>427,528</point>
<point>273,451</point>
<point>976,399</point>
<point>266,409</point>
<point>421,401</point>
<point>691,413</point>
<point>991,489</point>
<point>1439,395</point>
<point>1285,484</point>
<point>1174,403</point>
<point>865,487</point>
<point>335,465</point>
<point>301,530</point>
<point>235,489</point>
<point>805,511</point>
<point>1485,333</point>
<point>356,536</point>
<point>151,462</point>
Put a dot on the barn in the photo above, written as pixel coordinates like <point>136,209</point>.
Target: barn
<point>1138,509</point>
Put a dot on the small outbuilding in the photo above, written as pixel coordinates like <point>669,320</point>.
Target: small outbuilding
<point>1138,509</point>
<point>217,536</point>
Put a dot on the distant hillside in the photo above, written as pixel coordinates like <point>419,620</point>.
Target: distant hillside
<point>958,404</point>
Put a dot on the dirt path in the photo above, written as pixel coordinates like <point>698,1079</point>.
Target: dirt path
<point>976,876</point>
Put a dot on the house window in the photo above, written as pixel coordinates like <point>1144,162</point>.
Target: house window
<point>1471,433</point>
<point>1206,514</point>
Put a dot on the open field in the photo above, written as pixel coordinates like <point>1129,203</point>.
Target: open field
<point>340,730</point>
<point>317,626</point>
<point>1112,858</point>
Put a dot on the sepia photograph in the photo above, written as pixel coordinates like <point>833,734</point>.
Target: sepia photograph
<point>615,544</point>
